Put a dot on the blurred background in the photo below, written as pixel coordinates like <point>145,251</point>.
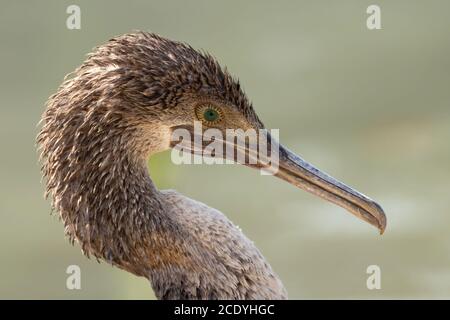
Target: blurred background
<point>372,108</point>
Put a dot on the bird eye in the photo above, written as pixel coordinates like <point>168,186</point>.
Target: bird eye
<point>209,114</point>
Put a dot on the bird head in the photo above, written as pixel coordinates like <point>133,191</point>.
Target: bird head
<point>157,87</point>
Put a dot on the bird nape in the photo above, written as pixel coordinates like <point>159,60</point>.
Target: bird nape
<point>98,130</point>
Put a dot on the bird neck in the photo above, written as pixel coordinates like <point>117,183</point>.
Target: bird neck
<point>101,188</point>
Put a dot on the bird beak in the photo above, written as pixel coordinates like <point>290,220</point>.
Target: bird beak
<point>300,173</point>
<point>286,165</point>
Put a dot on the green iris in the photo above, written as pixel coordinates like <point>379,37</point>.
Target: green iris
<point>211,115</point>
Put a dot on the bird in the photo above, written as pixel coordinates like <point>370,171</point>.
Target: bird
<point>120,107</point>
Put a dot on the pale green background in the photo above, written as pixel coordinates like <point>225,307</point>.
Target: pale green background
<point>370,107</point>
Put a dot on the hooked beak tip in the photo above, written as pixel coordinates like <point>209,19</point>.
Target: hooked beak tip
<point>381,218</point>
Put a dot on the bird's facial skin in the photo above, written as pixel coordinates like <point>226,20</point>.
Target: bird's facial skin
<point>222,116</point>
<point>290,167</point>
<point>211,114</point>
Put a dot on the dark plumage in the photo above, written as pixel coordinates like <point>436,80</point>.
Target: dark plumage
<point>119,107</point>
